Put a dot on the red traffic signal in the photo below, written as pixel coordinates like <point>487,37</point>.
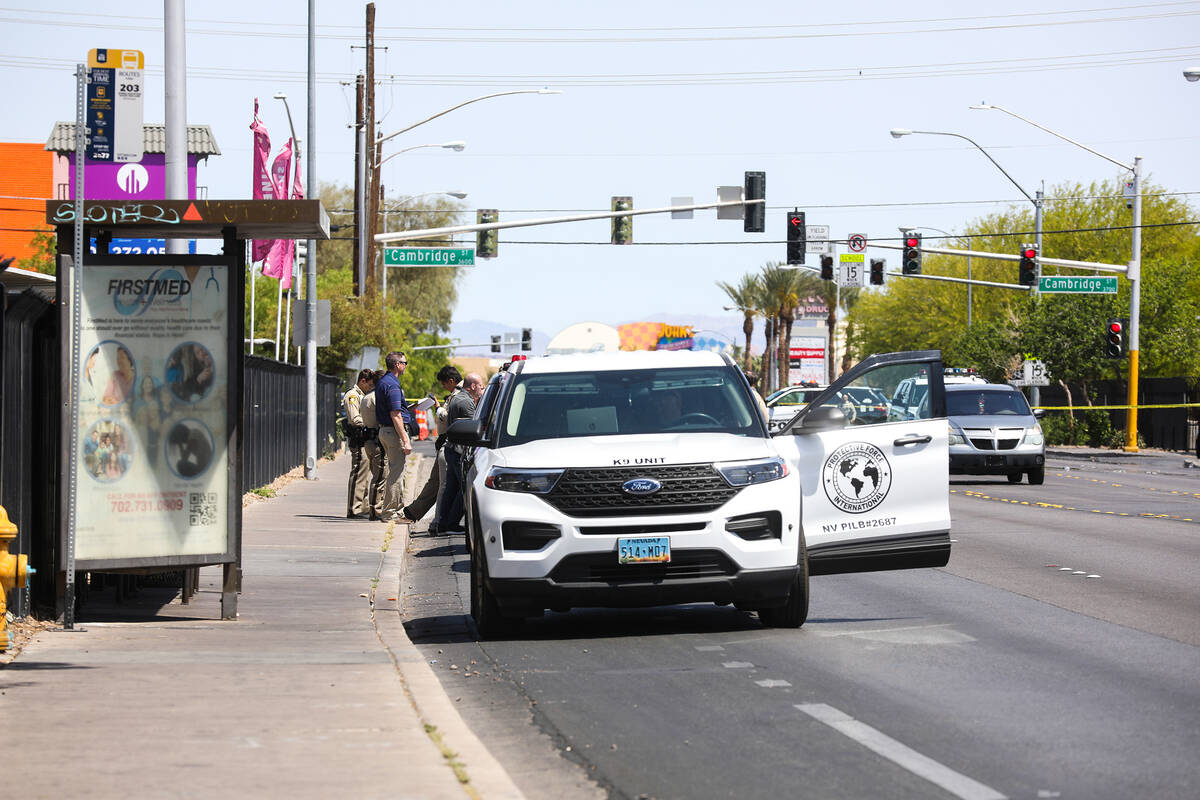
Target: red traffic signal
<point>1114,338</point>
<point>911,263</point>
<point>1029,252</point>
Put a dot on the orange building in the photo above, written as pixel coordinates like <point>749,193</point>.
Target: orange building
<point>26,183</point>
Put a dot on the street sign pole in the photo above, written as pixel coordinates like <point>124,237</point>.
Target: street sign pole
<point>76,320</point>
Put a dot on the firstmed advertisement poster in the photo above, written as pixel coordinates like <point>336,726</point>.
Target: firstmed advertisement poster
<point>153,416</point>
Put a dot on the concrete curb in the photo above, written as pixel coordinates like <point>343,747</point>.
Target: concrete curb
<point>487,778</point>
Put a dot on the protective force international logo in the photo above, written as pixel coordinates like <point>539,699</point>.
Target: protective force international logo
<point>857,477</point>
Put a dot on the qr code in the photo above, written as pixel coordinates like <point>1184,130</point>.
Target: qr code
<point>203,508</point>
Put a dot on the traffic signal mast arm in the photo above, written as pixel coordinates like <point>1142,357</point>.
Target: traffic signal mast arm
<point>400,236</point>
<point>1054,262</point>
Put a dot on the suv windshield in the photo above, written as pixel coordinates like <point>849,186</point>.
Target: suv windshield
<point>610,403</point>
<point>991,401</point>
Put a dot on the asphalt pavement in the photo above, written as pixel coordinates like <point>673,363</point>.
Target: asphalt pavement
<point>314,691</point>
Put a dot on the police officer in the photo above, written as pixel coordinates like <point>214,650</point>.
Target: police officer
<point>372,450</point>
<point>360,472</point>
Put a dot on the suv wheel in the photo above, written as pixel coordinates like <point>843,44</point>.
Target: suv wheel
<point>1036,476</point>
<point>1015,477</point>
<point>794,612</point>
<point>484,608</point>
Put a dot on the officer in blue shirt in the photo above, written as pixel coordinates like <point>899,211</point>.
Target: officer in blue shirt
<point>390,411</point>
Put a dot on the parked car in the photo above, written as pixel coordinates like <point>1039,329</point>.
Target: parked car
<point>785,403</point>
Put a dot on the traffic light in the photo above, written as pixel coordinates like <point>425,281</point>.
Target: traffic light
<point>797,237</point>
<point>1114,338</point>
<point>826,268</point>
<point>495,344</point>
<point>877,265</point>
<point>487,243</point>
<point>526,338</point>
<point>1028,273</point>
<point>622,227</point>
<point>754,219</point>
<point>911,265</point>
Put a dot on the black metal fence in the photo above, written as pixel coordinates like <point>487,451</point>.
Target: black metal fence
<point>1165,428</point>
<point>30,396</point>
<point>273,433</point>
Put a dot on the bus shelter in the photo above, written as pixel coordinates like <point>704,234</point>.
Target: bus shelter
<point>157,374</point>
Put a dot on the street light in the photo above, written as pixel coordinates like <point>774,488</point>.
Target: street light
<point>1192,74</point>
<point>1037,204</point>
<point>1135,264</point>
<point>366,232</point>
<point>904,229</point>
<point>457,147</point>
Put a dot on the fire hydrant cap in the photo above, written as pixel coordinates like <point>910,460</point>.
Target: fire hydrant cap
<point>7,529</point>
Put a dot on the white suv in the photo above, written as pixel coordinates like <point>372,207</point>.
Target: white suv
<point>648,478</point>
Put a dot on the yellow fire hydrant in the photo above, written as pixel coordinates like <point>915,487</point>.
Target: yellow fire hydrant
<point>14,570</point>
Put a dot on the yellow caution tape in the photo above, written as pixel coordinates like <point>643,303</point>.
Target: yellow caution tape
<point>1117,408</point>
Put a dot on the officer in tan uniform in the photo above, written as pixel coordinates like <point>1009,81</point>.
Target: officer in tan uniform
<point>373,450</point>
<point>360,472</point>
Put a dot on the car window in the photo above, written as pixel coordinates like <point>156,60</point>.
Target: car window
<point>863,401</point>
<point>606,403</point>
<point>990,401</point>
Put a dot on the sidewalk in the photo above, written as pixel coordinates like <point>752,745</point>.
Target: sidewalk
<point>1146,458</point>
<point>314,691</point>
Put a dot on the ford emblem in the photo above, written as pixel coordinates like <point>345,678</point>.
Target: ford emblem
<point>641,486</point>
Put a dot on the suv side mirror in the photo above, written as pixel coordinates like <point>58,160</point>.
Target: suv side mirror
<point>822,418</point>
<point>1039,413</point>
<point>466,431</point>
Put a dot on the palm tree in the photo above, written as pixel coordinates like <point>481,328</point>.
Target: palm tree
<point>744,296</point>
<point>778,301</point>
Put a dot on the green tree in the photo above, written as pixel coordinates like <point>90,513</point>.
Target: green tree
<point>417,309</point>
<point>1081,223</point>
<point>45,245</point>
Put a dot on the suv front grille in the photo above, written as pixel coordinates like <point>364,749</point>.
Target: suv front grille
<point>686,489</point>
<point>603,568</point>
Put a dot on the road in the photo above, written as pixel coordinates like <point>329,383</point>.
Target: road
<point>1055,656</point>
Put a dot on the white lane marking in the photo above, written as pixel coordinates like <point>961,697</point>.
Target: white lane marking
<point>709,648</point>
<point>956,783</point>
<point>737,665</point>
<point>771,683</point>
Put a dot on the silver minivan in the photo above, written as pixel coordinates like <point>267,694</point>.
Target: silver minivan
<point>993,431</point>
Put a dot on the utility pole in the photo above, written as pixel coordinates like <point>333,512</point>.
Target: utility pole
<point>371,207</point>
<point>360,276</point>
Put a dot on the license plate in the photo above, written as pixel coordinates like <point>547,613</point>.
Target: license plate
<point>644,550</point>
<point>994,461</point>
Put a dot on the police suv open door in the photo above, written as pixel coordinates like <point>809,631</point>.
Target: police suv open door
<point>876,493</point>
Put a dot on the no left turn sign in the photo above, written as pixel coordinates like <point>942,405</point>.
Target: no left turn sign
<point>857,243</point>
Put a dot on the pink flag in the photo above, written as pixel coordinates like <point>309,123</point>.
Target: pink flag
<point>280,251</point>
<point>262,188</point>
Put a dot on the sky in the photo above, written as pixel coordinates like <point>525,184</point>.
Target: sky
<point>664,100</point>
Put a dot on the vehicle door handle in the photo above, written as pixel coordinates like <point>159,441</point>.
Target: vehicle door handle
<point>912,439</point>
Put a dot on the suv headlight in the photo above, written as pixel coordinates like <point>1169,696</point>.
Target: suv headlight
<point>956,436</point>
<point>744,473</point>
<point>1033,435</point>
<point>531,481</point>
